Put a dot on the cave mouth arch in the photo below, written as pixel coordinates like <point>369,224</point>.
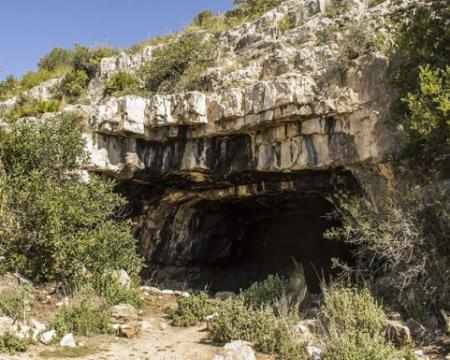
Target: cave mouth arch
<point>227,242</point>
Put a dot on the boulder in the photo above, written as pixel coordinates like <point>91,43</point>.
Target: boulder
<point>314,353</point>
<point>236,350</point>
<point>129,330</point>
<point>47,337</point>
<point>398,333</point>
<point>123,313</point>
<point>37,325</point>
<point>68,341</point>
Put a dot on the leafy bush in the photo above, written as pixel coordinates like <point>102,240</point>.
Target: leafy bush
<point>237,321</point>
<point>26,108</point>
<point>85,319</point>
<point>121,83</point>
<point>15,302</point>
<point>108,287</point>
<point>403,241</point>
<point>69,230</point>
<point>350,310</point>
<point>7,87</point>
<point>190,311</point>
<point>179,64</point>
<point>419,71</point>
<point>362,346</point>
<point>72,85</point>
<point>88,59</point>
<point>283,295</point>
<point>57,59</point>
<point>80,65</point>
<point>12,344</point>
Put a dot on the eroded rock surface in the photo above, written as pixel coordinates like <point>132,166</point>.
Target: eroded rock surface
<point>284,120</point>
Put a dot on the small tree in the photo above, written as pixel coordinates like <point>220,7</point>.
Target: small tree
<point>65,229</point>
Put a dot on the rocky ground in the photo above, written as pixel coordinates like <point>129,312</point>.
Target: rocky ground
<point>149,335</point>
<point>157,339</point>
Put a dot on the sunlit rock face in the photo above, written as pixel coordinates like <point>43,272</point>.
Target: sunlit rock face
<point>229,183</point>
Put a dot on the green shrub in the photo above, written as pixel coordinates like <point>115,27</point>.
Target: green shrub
<point>179,64</point>
<point>361,346</point>
<point>236,321</point>
<point>401,243</point>
<point>85,319</point>
<point>12,344</point>
<point>350,310</point>
<point>69,230</point>
<point>57,59</point>
<point>8,87</point>
<point>108,287</point>
<point>28,108</point>
<point>72,85</point>
<point>420,76</point>
<point>15,302</point>
<point>266,292</point>
<point>122,83</point>
<point>88,59</point>
<point>190,311</point>
<point>283,295</point>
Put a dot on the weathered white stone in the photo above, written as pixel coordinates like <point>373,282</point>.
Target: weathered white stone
<point>68,341</point>
<point>48,336</point>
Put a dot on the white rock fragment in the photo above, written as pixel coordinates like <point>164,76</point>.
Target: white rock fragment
<point>68,341</point>
<point>48,336</point>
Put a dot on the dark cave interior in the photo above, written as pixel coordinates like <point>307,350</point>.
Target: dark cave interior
<point>253,238</point>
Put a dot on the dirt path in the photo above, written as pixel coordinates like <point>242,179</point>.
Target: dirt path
<point>158,340</point>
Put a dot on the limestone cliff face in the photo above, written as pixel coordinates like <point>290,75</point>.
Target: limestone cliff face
<point>285,119</point>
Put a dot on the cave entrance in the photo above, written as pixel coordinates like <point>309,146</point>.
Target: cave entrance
<point>248,239</point>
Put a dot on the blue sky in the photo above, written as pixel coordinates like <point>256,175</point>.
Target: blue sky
<point>31,28</point>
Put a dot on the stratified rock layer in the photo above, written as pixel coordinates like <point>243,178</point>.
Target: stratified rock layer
<point>285,119</point>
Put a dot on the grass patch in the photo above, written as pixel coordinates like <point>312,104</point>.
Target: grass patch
<point>79,351</point>
<point>15,302</point>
